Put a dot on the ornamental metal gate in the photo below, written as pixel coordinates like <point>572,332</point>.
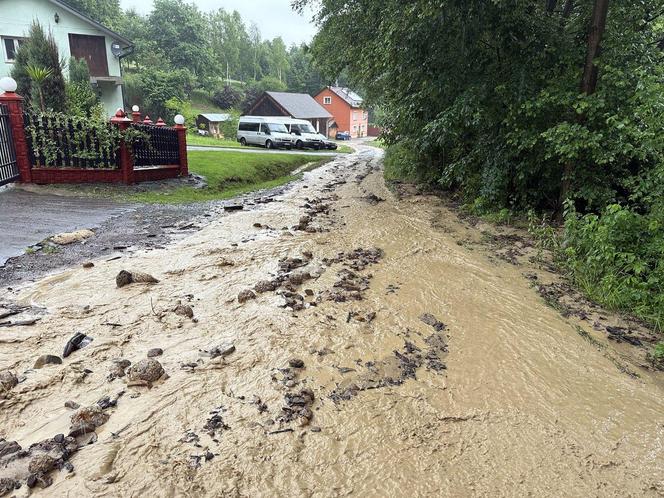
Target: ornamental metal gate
<point>8,166</point>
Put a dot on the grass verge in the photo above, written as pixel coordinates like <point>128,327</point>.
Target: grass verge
<point>211,141</point>
<point>232,173</point>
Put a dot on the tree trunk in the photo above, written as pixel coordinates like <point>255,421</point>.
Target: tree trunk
<point>588,82</point>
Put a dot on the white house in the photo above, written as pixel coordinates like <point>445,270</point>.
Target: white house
<point>76,35</point>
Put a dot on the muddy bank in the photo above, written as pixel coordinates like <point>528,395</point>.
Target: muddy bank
<point>139,227</point>
<point>336,341</point>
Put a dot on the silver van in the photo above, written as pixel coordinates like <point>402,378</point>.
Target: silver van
<point>265,131</point>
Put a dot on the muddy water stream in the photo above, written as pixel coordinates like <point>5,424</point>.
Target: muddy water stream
<point>491,393</point>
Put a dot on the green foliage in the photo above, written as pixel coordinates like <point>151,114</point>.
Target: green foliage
<point>38,73</point>
<point>91,138</point>
<point>229,128</point>
<point>79,72</point>
<point>106,12</point>
<point>81,97</point>
<point>176,106</point>
<point>617,258</point>
<point>403,163</point>
<point>152,88</point>
<point>488,92</point>
<point>227,98</point>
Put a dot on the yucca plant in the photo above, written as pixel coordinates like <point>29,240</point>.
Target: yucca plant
<point>39,75</point>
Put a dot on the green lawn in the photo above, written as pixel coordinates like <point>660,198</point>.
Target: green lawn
<point>232,173</point>
<point>211,141</point>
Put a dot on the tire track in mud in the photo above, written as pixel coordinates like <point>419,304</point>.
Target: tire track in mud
<point>374,356</point>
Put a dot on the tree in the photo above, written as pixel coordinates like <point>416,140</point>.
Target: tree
<point>302,76</point>
<point>81,98</point>
<point>107,12</point>
<point>588,81</point>
<point>229,43</point>
<point>228,98</point>
<point>179,31</point>
<point>37,71</point>
<point>487,93</point>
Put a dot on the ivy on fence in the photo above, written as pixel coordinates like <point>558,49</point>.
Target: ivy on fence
<point>57,140</point>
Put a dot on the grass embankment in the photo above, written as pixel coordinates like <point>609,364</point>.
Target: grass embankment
<point>211,141</point>
<point>217,142</point>
<point>232,173</point>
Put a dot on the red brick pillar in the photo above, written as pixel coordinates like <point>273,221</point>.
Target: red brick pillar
<point>14,103</point>
<point>126,159</point>
<point>136,114</point>
<point>182,142</point>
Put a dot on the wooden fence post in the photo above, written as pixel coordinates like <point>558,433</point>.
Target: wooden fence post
<point>182,143</point>
<point>126,157</point>
<point>14,104</point>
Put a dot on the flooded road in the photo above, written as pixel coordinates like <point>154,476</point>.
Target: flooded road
<point>377,356</point>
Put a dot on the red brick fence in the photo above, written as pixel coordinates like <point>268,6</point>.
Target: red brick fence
<point>63,150</point>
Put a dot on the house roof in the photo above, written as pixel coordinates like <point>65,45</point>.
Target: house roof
<point>98,25</point>
<point>216,118</point>
<point>352,98</point>
<point>299,105</point>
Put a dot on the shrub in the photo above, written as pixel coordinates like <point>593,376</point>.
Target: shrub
<point>227,98</point>
<point>81,97</point>
<point>40,52</point>
<point>617,258</point>
<point>403,162</point>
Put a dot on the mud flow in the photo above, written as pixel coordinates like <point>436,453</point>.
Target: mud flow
<point>338,341</point>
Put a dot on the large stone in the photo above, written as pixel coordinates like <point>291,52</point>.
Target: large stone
<point>47,359</point>
<point>87,420</point>
<point>148,370</point>
<point>8,380</point>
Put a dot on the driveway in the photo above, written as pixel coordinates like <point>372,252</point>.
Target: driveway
<point>27,218</point>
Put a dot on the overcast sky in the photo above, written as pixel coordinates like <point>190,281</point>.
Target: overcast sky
<point>273,17</point>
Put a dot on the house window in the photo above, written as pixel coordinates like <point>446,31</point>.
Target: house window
<point>11,47</point>
<point>365,115</point>
<point>354,115</point>
<point>327,100</point>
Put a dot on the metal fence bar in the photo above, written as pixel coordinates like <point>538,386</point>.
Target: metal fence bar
<point>9,171</point>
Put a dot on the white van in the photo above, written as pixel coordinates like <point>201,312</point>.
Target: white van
<point>305,135</point>
<point>265,131</point>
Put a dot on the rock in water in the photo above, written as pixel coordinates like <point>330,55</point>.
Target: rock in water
<point>296,363</point>
<point>87,420</point>
<point>47,359</point>
<point>432,321</point>
<point>78,341</point>
<point>155,352</point>
<point>245,296</point>
<point>8,380</point>
<point>184,310</point>
<point>41,464</point>
<point>149,370</point>
<point>134,277</point>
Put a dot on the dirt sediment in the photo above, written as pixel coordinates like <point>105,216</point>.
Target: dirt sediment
<point>358,349</point>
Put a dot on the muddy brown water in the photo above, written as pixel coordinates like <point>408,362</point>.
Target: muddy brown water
<point>525,406</point>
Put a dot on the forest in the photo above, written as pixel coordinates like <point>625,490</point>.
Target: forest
<point>548,109</point>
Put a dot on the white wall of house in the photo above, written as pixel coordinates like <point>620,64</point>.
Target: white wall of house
<point>16,16</point>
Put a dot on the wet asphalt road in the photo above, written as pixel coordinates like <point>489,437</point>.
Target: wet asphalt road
<point>27,218</point>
